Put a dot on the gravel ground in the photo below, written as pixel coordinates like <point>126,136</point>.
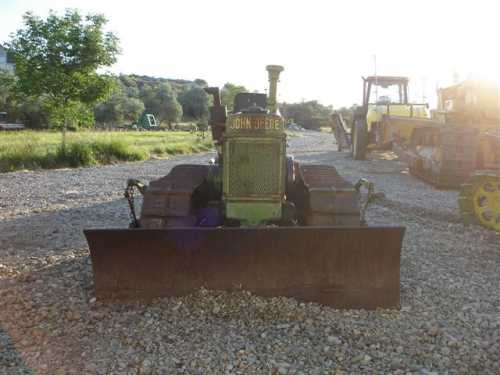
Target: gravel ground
<point>50,323</point>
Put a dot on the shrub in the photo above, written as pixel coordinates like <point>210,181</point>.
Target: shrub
<point>35,150</point>
<point>76,155</point>
<point>117,150</point>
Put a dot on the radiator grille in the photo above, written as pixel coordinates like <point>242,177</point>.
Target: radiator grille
<point>254,169</point>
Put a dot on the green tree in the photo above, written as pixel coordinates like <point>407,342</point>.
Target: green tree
<point>81,115</point>
<point>7,84</point>
<point>194,102</point>
<point>171,112</point>
<point>161,100</point>
<point>59,57</point>
<point>129,85</point>
<point>29,111</point>
<point>228,93</point>
<point>311,114</point>
<point>201,82</point>
<point>32,113</point>
<point>132,108</point>
<point>118,109</point>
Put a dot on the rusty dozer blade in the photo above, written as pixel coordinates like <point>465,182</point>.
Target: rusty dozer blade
<point>339,267</point>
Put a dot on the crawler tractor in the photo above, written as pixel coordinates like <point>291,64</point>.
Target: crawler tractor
<point>460,148</point>
<point>252,219</point>
<point>468,151</point>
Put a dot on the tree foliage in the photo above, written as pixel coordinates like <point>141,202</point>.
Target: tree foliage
<point>7,83</point>
<point>119,109</point>
<point>58,58</point>
<point>32,112</point>
<point>201,82</point>
<point>194,102</point>
<point>229,91</point>
<point>57,62</point>
<point>161,100</point>
<point>310,115</point>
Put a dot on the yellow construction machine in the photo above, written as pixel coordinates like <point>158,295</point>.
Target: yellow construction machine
<point>383,96</point>
<point>458,146</point>
<point>471,110</point>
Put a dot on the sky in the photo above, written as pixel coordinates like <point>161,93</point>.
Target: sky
<point>326,46</point>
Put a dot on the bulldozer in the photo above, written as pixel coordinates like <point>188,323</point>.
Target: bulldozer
<point>460,148</point>
<point>253,218</point>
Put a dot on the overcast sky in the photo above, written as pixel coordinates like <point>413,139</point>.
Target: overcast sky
<point>325,46</point>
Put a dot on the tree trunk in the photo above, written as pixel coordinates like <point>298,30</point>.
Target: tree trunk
<point>65,127</point>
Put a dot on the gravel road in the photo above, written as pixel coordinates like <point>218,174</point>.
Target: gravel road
<point>50,323</point>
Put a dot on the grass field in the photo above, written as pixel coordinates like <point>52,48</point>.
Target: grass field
<point>42,149</point>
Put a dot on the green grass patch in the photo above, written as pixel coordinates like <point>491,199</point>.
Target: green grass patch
<point>41,150</point>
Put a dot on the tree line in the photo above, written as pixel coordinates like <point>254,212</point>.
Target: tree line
<point>56,83</point>
<point>171,101</point>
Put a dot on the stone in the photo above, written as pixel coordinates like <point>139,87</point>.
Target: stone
<point>334,340</point>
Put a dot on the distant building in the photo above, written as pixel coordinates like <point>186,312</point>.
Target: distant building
<point>5,62</point>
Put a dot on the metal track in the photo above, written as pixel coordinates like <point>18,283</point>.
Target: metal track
<point>438,180</point>
<point>167,201</point>
<point>331,199</point>
<point>470,200</point>
<point>457,148</point>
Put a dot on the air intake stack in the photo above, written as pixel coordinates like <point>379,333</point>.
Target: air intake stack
<point>274,75</point>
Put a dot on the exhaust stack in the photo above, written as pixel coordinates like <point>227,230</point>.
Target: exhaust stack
<point>274,75</point>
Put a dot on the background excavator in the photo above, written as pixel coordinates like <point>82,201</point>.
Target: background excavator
<point>457,147</point>
<point>382,96</point>
<point>252,219</point>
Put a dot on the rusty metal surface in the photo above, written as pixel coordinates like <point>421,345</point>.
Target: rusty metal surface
<point>444,157</point>
<point>181,179</point>
<point>167,201</point>
<point>323,177</point>
<point>331,199</point>
<point>339,267</point>
<point>341,132</point>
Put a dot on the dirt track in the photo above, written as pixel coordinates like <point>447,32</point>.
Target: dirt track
<point>49,322</point>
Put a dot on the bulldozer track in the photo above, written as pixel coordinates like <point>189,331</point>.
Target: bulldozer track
<point>332,200</point>
<point>457,150</point>
<point>438,181</point>
<point>167,202</point>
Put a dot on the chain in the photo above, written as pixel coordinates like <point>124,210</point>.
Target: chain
<point>371,197</point>
<point>129,194</point>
